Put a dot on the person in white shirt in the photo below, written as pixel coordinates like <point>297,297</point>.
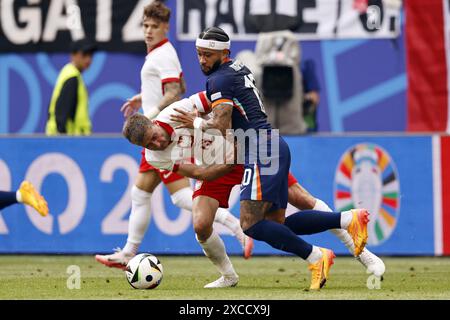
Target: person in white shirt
<point>167,147</point>
<point>162,83</point>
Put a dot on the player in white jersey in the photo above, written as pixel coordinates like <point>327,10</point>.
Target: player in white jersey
<point>161,84</point>
<point>168,147</point>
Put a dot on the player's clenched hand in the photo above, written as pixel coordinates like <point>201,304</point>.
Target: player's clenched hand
<point>185,118</point>
<point>131,106</point>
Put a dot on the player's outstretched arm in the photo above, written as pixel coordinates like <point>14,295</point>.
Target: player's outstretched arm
<point>131,106</point>
<point>208,173</point>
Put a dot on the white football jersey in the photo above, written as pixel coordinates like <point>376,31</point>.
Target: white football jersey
<point>204,148</point>
<point>161,66</point>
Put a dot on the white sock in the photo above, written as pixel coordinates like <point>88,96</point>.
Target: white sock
<point>315,255</point>
<point>183,198</point>
<point>321,206</point>
<point>19,196</point>
<point>226,218</point>
<point>131,248</point>
<point>214,249</point>
<point>139,219</point>
<point>221,215</point>
<point>342,234</point>
<point>346,218</point>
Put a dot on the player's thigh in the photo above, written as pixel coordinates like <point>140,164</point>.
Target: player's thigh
<point>252,212</point>
<point>300,198</point>
<point>178,185</point>
<point>148,180</point>
<point>276,215</point>
<point>203,212</point>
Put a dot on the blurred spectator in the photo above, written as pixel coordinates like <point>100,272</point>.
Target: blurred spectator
<point>68,112</point>
<point>279,55</point>
<point>275,65</point>
<point>311,91</point>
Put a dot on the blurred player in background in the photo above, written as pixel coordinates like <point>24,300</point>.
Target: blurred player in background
<point>27,195</point>
<point>162,83</point>
<point>68,112</point>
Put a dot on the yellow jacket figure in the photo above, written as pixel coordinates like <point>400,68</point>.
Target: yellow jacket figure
<point>68,111</point>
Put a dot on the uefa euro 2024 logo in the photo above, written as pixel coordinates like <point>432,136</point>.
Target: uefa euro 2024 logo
<point>366,177</point>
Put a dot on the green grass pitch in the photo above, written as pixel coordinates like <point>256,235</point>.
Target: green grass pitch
<point>45,277</point>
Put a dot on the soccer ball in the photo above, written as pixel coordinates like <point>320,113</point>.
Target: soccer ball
<point>144,271</point>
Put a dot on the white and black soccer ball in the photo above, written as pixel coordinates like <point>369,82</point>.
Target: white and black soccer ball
<point>144,271</point>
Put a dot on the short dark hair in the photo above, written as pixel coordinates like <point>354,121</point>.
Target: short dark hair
<point>85,46</point>
<point>135,127</point>
<point>157,10</point>
<point>214,33</point>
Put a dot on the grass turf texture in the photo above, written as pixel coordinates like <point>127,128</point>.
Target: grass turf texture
<point>44,277</point>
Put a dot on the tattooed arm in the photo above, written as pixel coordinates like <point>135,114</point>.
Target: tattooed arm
<point>221,119</point>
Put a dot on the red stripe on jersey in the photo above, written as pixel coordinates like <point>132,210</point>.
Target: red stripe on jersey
<point>168,80</point>
<point>159,44</point>
<point>167,127</point>
<point>204,101</point>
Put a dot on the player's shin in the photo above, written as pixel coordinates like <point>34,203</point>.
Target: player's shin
<point>311,221</point>
<point>279,237</point>
<point>226,218</point>
<point>342,234</point>
<point>214,249</point>
<point>139,219</point>
<point>8,198</point>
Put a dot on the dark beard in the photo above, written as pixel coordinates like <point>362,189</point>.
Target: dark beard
<point>215,66</point>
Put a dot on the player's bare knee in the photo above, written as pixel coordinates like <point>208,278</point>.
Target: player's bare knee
<point>252,212</point>
<point>277,216</point>
<point>147,181</point>
<point>203,231</point>
<point>202,226</point>
<point>247,221</point>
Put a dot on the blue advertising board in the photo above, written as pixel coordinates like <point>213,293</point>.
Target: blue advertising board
<point>87,183</point>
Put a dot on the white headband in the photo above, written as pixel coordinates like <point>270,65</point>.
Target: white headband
<point>212,44</point>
